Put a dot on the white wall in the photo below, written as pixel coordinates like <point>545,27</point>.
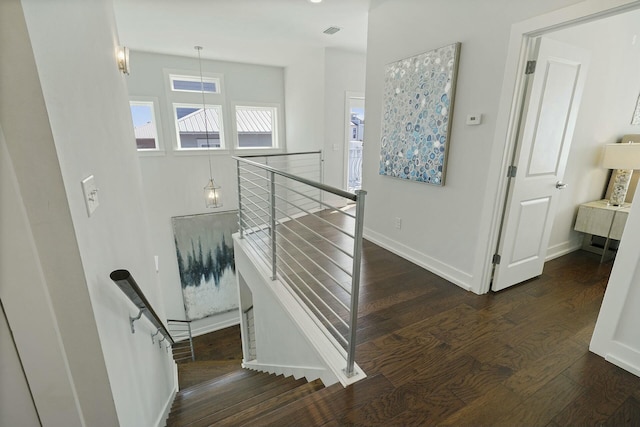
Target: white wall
<point>344,72</point>
<point>304,91</point>
<point>174,181</point>
<point>608,103</point>
<point>65,117</point>
<point>16,405</point>
<point>440,225</point>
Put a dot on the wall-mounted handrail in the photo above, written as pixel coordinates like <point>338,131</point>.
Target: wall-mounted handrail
<point>128,285</point>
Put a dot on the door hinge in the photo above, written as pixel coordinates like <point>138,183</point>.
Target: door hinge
<point>511,172</point>
<point>531,67</point>
<point>496,259</point>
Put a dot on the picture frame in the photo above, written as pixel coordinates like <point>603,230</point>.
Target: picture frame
<point>635,120</point>
<point>418,101</point>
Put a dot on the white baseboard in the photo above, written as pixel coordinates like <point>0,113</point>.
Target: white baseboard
<point>452,274</point>
<point>212,327</point>
<point>623,364</point>
<point>162,419</point>
<point>561,249</point>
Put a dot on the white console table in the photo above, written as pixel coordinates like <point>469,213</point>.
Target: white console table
<point>598,218</point>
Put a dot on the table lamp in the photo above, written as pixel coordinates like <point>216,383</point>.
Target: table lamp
<point>624,157</point>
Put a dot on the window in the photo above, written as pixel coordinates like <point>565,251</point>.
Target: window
<point>144,125</point>
<point>193,84</point>
<point>256,127</point>
<point>191,129</point>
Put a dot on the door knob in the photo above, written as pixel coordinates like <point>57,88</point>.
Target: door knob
<point>561,185</point>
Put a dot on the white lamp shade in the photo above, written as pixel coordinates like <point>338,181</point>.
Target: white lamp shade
<point>621,156</point>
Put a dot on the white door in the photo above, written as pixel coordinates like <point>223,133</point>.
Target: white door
<point>541,157</point>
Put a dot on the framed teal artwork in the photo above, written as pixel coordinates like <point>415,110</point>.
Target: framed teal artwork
<point>416,115</point>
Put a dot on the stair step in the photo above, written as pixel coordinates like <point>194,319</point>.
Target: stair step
<point>213,384</point>
<point>217,399</point>
<point>285,414</point>
<point>192,373</point>
<point>259,407</point>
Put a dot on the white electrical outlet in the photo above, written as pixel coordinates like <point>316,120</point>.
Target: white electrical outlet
<point>397,222</point>
<point>90,194</point>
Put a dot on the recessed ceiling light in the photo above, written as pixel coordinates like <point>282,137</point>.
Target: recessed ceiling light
<point>315,1</point>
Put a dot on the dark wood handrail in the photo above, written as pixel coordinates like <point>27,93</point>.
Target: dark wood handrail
<point>128,285</point>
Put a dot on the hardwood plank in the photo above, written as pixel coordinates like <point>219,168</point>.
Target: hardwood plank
<point>535,375</point>
<point>488,409</point>
<point>247,410</point>
<point>607,389</point>
<point>541,407</point>
<point>325,405</point>
<point>628,414</point>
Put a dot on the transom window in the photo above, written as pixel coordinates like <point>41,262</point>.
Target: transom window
<point>256,127</point>
<point>192,129</point>
<point>194,84</point>
<point>144,125</point>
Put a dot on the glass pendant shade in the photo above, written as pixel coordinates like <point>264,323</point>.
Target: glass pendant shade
<point>212,195</point>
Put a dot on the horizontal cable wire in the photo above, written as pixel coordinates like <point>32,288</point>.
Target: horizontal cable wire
<point>317,201</point>
<point>334,262</point>
<point>336,315</point>
<point>315,232</point>
<point>312,306</point>
<point>309,273</point>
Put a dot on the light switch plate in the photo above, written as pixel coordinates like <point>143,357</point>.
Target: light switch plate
<point>90,192</point>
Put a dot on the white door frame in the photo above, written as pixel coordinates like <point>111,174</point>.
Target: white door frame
<point>512,97</point>
<point>347,136</point>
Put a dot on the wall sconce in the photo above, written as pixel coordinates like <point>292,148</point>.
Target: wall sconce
<point>624,157</point>
<point>123,59</point>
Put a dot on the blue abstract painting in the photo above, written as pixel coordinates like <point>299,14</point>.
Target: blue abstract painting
<point>204,251</point>
<point>416,115</point>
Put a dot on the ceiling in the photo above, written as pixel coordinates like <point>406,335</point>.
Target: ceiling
<point>269,32</point>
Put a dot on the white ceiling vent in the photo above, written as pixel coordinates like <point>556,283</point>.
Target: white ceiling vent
<point>331,30</point>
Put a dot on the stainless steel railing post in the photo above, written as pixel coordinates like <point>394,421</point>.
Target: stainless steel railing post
<point>193,355</point>
<point>239,201</point>
<point>355,282</point>
<point>272,205</point>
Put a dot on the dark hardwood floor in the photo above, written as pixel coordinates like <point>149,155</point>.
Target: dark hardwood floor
<point>436,354</point>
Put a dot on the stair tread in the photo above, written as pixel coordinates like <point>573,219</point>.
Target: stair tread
<point>279,416</point>
<point>265,405</point>
<point>220,397</point>
<point>209,384</point>
<point>194,373</point>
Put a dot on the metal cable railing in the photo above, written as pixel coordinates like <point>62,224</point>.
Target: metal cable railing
<point>309,235</point>
<point>183,347</point>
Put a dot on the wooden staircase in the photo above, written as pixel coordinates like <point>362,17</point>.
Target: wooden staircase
<point>219,392</point>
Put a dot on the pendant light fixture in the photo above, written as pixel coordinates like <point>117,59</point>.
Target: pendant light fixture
<point>212,194</point>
